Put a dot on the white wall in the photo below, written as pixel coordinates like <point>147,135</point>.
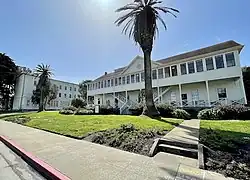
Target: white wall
<point>24,92</point>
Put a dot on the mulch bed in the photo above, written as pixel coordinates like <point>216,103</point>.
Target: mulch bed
<point>235,164</point>
<point>127,138</point>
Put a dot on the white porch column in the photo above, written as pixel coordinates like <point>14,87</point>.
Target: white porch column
<point>103,99</point>
<point>126,92</point>
<point>180,94</point>
<point>243,89</point>
<point>208,94</point>
<point>158,93</point>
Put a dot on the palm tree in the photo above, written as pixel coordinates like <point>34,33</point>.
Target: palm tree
<point>141,22</point>
<point>44,72</point>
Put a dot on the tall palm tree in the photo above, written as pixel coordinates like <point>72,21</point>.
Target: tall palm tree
<point>141,22</point>
<point>44,72</point>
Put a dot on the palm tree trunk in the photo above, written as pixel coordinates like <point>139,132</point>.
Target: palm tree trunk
<point>150,109</point>
<point>41,101</point>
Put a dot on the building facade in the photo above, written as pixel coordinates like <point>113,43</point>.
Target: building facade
<point>202,78</point>
<point>27,82</point>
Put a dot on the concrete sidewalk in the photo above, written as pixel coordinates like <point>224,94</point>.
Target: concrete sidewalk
<point>80,159</point>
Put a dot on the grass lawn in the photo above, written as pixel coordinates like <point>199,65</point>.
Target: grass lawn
<point>224,134</point>
<point>79,125</point>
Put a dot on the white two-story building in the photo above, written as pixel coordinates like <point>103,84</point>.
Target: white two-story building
<point>27,82</point>
<point>201,78</point>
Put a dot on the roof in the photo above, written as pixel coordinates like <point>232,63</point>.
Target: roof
<point>206,50</point>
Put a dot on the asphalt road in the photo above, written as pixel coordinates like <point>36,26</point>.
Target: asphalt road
<point>12,167</point>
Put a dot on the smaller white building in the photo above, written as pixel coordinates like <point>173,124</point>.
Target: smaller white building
<point>27,82</point>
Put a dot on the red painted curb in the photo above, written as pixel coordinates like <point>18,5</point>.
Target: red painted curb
<point>43,168</point>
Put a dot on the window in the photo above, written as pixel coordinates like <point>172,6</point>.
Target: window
<point>34,83</point>
<point>132,78</point>
<point>60,87</point>
<point>70,88</point>
<point>123,80</point>
<point>120,80</point>
<point>137,78</point>
<point>108,83</point>
<point>56,103</point>
<point>112,82</point>
<point>69,95</point>
<point>219,62</point>
<point>128,79</point>
<point>183,69</point>
<point>209,63</point>
<point>59,95</point>
<point>160,73</point>
<point>154,74</point>
<point>105,83</point>
<point>191,68</point>
<point>174,70</point>
<point>75,88</point>
<point>167,72</point>
<point>65,95</point>
<point>116,81</point>
<point>199,66</point>
<point>101,84</point>
<point>142,76</point>
<point>65,87</point>
<point>230,59</point>
<point>222,93</point>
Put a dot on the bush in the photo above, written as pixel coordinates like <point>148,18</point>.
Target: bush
<point>83,112</point>
<point>208,114</point>
<point>137,110</point>
<point>71,108</point>
<point>78,103</point>
<point>181,114</point>
<point>225,112</point>
<point>165,110</point>
<point>66,112</point>
<point>105,110</point>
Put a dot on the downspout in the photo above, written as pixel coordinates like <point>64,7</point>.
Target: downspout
<point>21,102</point>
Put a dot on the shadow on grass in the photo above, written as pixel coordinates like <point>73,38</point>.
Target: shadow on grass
<point>228,141</point>
<point>166,121</point>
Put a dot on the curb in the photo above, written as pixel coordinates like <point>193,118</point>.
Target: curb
<point>43,168</point>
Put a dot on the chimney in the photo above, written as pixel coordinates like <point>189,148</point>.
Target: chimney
<point>105,73</point>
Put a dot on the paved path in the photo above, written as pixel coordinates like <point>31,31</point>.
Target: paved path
<point>80,159</point>
<point>12,167</point>
<point>187,132</point>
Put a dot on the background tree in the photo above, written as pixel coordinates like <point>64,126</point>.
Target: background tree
<point>246,80</point>
<point>83,89</point>
<point>78,103</point>
<point>43,87</point>
<point>142,22</point>
<point>8,74</point>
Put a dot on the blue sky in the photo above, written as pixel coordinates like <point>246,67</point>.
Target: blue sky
<point>79,40</point>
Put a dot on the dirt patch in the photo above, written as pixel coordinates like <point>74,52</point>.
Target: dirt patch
<point>127,138</point>
<point>18,119</point>
<point>236,164</point>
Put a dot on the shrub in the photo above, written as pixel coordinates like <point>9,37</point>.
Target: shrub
<point>83,112</point>
<point>78,103</point>
<point>66,112</point>
<point>105,110</point>
<point>225,112</point>
<point>72,108</point>
<point>165,110</point>
<point>137,110</point>
<point>208,114</point>
<point>181,114</point>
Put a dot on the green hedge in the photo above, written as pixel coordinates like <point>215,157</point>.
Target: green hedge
<point>181,114</point>
<point>66,112</point>
<point>225,112</point>
<point>83,112</point>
